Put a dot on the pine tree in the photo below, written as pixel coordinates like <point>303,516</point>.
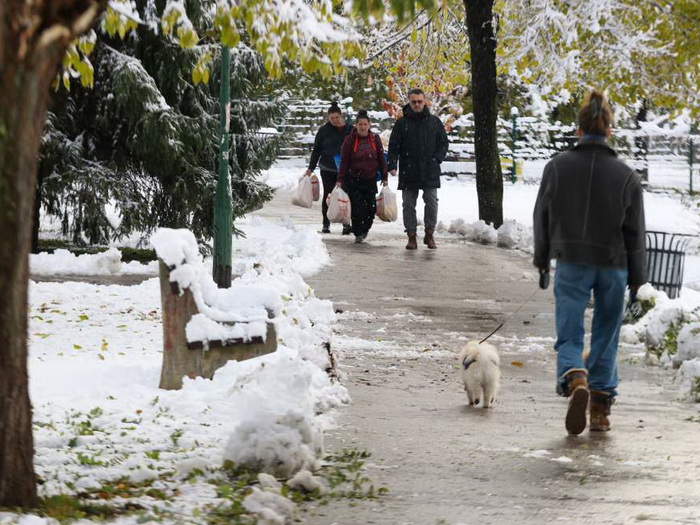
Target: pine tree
<point>145,140</point>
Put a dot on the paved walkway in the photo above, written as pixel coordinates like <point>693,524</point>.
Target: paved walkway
<point>405,314</point>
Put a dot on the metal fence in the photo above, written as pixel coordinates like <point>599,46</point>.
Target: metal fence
<point>664,158</point>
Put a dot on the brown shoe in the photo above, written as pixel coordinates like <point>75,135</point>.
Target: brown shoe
<point>577,390</point>
<point>412,242</point>
<point>429,240</point>
<point>599,408</point>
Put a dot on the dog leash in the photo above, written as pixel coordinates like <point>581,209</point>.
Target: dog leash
<point>544,284</point>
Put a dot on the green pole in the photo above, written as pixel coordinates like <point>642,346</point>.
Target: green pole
<point>222,202</point>
<point>514,137</point>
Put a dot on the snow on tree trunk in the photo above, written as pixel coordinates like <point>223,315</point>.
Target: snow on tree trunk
<point>33,39</point>
<point>482,40</point>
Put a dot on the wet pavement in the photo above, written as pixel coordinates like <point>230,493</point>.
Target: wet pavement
<point>404,316</point>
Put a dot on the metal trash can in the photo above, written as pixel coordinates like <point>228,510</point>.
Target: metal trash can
<point>665,260</point>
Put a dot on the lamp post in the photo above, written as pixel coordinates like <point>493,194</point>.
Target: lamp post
<point>222,202</point>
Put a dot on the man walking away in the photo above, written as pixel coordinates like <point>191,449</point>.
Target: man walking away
<point>418,144</point>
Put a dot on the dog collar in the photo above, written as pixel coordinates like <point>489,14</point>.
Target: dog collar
<point>467,363</point>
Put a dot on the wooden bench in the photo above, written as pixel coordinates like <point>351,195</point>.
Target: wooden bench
<point>199,358</point>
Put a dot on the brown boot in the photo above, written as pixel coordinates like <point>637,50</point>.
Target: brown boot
<point>600,410</point>
<point>429,240</point>
<point>577,390</point>
<point>412,243</point>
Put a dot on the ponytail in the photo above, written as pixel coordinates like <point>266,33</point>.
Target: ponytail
<point>595,115</point>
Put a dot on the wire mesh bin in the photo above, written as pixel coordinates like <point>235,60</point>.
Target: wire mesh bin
<point>665,260</point>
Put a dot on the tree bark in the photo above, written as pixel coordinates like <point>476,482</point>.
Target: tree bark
<point>482,43</point>
<point>34,36</point>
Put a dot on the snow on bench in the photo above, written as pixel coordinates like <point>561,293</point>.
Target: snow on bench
<point>204,326</point>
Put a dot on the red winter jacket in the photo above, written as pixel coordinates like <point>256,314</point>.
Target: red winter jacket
<point>362,157</point>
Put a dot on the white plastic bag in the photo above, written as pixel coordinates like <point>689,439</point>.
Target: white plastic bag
<point>338,206</point>
<point>315,188</point>
<point>303,195</point>
<point>386,205</point>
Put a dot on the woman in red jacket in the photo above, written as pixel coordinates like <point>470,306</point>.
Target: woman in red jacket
<point>361,158</point>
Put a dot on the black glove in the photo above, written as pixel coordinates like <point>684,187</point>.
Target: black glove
<point>634,307</point>
<point>544,279</point>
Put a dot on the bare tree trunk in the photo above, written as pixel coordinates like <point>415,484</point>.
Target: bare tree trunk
<point>482,42</point>
<point>34,36</point>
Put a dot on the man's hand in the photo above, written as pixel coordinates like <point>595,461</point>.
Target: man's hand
<point>307,172</point>
<point>392,173</point>
<point>385,183</point>
<point>544,278</point>
<point>338,184</point>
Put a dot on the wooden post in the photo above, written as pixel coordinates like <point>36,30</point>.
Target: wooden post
<point>177,309</point>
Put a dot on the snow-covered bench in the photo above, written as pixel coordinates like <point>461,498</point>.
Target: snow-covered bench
<point>204,327</point>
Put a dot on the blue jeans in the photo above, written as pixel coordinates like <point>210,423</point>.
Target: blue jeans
<point>572,291</point>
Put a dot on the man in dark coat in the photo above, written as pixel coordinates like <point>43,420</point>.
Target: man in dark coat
<point>418,144</point>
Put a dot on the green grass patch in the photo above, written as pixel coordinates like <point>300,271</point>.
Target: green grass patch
<point>128,254</point>
<point>66,509</point>
<point>669,344</point>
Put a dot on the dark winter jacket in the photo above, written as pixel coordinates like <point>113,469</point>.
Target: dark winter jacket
<point>362,157</point>
<point>418,143</point>
<point>590,211</point>
<point>327,145</point>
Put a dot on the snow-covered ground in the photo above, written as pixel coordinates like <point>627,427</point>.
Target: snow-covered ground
<point>101,420</point>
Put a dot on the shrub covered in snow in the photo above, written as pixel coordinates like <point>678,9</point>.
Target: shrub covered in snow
<point>670,330</point>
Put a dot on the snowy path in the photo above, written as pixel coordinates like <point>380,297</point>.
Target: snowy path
<point>405,313</point>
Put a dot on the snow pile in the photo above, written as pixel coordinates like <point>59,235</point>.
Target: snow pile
<point>514,235</point>
<point>63,262</point>
<point>95,365</point>
<point>688,344</point>
<point>688,379</point>
<point>245,303</point>
<point>511,234</point>
<point>670,331</point>
<point>270,507</point>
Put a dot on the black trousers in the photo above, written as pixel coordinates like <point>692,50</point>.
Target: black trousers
<point>362,193</point>
<point>329,179</point>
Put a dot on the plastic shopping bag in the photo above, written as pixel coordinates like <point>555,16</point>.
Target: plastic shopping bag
<point>315,188</point>
<point>303,195</point>
<point>338,206</point>
<point>386,205</point>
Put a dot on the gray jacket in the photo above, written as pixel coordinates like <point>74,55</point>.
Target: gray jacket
<point>590,211</point>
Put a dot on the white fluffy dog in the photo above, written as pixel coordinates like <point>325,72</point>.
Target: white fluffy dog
<point>480,372</point>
